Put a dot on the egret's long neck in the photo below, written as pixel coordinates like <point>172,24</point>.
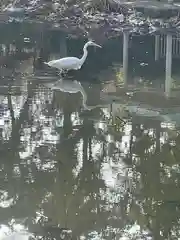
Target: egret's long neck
<point>84,55</point>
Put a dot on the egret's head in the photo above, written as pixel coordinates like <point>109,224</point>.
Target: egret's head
<point>91,43</point>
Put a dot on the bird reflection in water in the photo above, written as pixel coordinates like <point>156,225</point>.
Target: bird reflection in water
<point>70,86</point>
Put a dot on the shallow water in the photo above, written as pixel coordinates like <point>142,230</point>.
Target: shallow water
<point>81,157</point>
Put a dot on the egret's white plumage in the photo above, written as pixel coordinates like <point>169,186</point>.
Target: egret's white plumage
<point>69,63</point>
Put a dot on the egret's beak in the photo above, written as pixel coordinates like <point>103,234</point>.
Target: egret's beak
<point>96,45</point>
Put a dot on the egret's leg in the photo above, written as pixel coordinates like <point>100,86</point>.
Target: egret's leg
<point>64,73</point>
<point>61,73</point>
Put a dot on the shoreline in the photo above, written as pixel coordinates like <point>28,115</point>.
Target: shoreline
<point>138,18</point>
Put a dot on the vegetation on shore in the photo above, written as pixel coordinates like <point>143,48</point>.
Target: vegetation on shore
<point>101,18</point>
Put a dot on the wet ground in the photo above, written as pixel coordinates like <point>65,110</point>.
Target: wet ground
<point>82,157</point>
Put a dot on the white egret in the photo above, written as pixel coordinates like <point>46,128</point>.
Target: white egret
<point>69,63</point>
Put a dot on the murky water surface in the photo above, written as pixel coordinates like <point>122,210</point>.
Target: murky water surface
<point>82,156</point>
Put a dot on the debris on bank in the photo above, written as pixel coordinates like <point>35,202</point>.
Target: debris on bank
<point>87,19</point>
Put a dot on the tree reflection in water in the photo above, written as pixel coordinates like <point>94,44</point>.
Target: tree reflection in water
<point>64,171</point>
